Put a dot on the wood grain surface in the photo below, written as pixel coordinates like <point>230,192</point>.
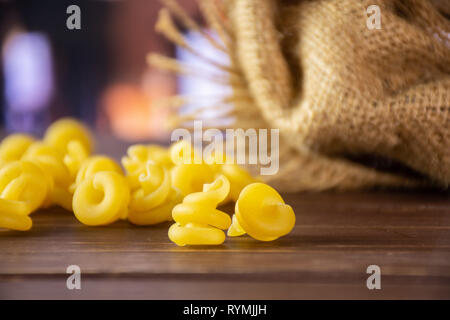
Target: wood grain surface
<point>336,238</point>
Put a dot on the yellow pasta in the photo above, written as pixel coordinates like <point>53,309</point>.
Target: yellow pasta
<point>182,152</point>
<point>93,165</point>
<point>235,229</point>
<point>58,178</point>
<point>23,181</point>
<point>13,213</point>
<point>13,147</point>
<point>188,176</point>
<point>216,160</point>
<point>153,202</point>
<point>58,170</point>
<point>136,161</point>
<point>262,213</point>
<point>50,160</point>
<point>101,198</point>
<point>239,178</point>
<point>63,131</point>
<point>23,189</point>
<point>15,222</point>
<point>75,155</point>
<point>198,222</point>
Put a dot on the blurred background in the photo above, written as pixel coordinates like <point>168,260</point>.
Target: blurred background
<point>98,74</point>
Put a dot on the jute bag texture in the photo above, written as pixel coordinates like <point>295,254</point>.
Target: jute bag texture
<point>344,97</point>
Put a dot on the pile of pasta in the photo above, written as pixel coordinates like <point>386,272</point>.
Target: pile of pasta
<point>156,185</point>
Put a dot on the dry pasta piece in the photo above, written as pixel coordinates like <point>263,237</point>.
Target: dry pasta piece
<point>14,207</point>
<point>101,199</point>
<point>239,178</point>
<point>75,155</point>
<point>154,201</point>
<point>198,222</point>
<point>23,181</point>
<point>158,214</point>
<point>195,234</point>
<point>182,152</point>
<point>50,160</point>
<point>65,130</point>
<point>190,178</point>
<point>189,175</point>
<point>136,161</point>
<point>262,213</point>
<point>14,221</point>
<point>93,165</point>
<point>13,213</point>
<point>14,146</point>
<point>155,188</point>
<point>215,160</point>
<point>22,190</point>
<point>235,229</point>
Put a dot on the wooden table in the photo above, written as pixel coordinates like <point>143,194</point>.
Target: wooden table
<point>407,234</point>
<point>337,237</point>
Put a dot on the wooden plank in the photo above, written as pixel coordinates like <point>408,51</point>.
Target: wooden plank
<point>336,237</point>
<point>207,288</point>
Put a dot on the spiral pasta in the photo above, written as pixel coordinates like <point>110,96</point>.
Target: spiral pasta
<point>58,170</point>
<point>189,175</point>
<point>65,130</point>
<point>136,161</point>
<point>50,160</point>
<point>198,222</point>
<point>101,198</point>
<point>182,152</point>
<point>14,146</point>
<point>239,178</point>
<point>153,202</point>
<point>262,213</point>
<point>93,165</point>
<point>75,155</point>
<point>19,222</point>
<point>58,179</point>
<point>23,181</point>
<point>23,189</point>
<point>235,229</point>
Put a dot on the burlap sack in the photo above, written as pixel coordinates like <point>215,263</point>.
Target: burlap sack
<point>345,97</point>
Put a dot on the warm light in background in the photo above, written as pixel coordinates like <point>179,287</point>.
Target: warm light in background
<point>131,111</point>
